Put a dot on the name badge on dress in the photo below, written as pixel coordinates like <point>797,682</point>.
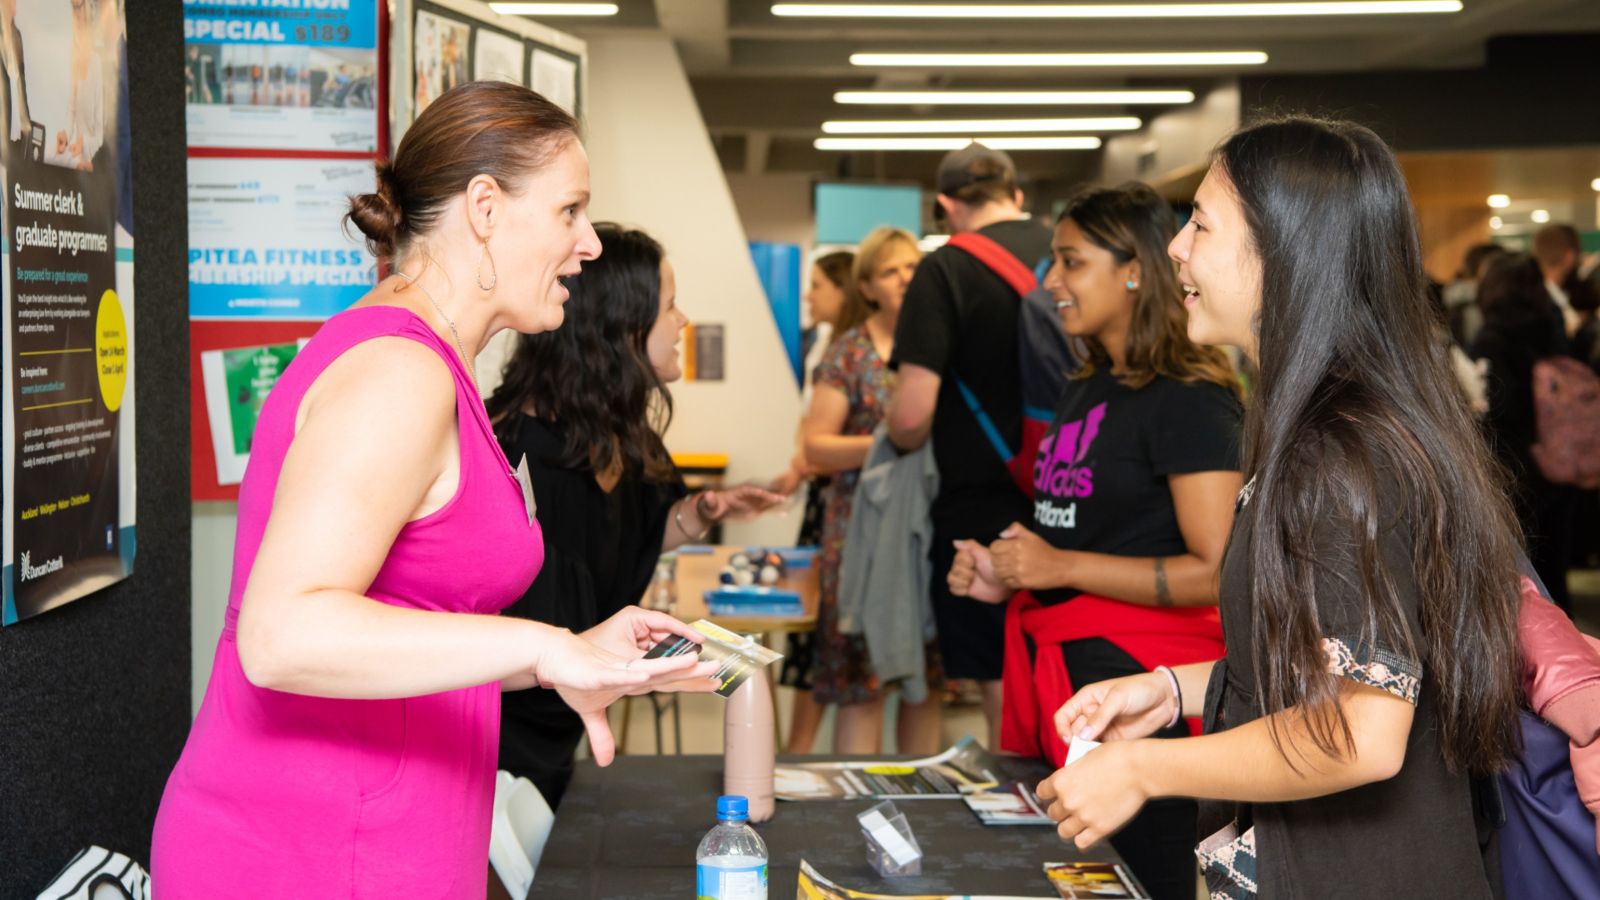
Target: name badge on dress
<point>526,483</point>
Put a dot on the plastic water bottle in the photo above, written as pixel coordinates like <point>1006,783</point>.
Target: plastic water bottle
<point>731,863</point>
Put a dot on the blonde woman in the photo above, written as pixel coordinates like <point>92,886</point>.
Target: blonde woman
<point>851,389</point>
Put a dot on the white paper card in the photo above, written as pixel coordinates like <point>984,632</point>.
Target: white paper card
<point>526,483</point>
<point>1078,747</point>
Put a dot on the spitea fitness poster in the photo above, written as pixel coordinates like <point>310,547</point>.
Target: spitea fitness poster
<point>267,239</point>
<point>68,302</point>
<point>282,74</point>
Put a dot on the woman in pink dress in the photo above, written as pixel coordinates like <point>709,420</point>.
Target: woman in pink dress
<point>346,743</point>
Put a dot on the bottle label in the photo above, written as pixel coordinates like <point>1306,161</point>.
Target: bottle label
<point>719,883</point>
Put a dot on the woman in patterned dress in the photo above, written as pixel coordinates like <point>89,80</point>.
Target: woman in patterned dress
<point>851,388</point>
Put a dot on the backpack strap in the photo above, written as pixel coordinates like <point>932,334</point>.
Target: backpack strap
<point>985,423</point>
<point>998,259</point>
<point>1021,279</point>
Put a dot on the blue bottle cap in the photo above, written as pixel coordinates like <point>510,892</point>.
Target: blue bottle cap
<point>732,808</point>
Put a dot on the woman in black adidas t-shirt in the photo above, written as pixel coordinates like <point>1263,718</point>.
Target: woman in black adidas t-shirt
<point>1133,487</point>
<point>1369,594</point>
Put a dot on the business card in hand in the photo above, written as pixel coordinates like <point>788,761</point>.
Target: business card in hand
<point>1078,747</point>
<point>736,655</point>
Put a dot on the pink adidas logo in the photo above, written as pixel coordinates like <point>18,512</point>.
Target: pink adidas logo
<point>1058,471</point>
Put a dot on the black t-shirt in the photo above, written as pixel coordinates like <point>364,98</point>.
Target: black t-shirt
<point>1413,835</point>
<point>1100,480</point>
<point>960,321</point>
<point>600,551</point>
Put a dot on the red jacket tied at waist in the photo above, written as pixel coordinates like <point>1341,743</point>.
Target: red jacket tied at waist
<point>1034,690</point>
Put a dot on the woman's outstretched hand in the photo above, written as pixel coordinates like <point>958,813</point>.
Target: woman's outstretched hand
<point>745,501</point>
<point>593,670</point>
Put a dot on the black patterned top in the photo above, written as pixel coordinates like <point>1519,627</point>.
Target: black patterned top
<point>1411,836</point>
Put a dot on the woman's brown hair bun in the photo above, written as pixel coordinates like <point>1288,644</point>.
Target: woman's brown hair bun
<point>378,214</point>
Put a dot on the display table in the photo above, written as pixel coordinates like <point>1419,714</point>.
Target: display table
<point>698,571</point>
<point>629,832</point>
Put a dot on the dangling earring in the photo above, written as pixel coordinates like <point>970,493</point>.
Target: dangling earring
<point>494,272</point>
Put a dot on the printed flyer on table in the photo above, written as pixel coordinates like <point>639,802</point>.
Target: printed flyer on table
<point>962,769</point>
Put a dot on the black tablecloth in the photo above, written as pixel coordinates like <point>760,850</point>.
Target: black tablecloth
<point>630,831</point>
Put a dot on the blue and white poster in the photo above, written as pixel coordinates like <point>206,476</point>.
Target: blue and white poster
<point>68,310</point>
<point>266,238</point>
<point>297,75</point>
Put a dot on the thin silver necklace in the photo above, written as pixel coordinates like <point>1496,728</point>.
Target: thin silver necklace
<point>465,359</point>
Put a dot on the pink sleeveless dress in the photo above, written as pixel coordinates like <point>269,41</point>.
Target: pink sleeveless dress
<point>284,795</point>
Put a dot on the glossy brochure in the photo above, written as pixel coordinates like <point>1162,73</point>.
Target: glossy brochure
<point>1008,804</point>
<point>961,769</point>
<point>1093,881</point>
<point>813,886</point>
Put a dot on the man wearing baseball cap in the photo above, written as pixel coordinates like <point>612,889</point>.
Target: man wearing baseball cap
<point>958,325</point>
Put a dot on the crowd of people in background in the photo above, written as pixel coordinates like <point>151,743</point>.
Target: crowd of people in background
<point>1508,310</point>
<point>1287,606</point>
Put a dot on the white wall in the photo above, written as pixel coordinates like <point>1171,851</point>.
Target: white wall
<point>211,574</point>
<point>775,207</point>
<point>653,166</point>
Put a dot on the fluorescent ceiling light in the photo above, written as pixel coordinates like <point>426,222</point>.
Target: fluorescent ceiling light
<point>982,126</point>
<point>1540,216</point>
<point>1014,98</point>
<point>1114,10</point>
<point>1499,201</point>
<point>1496,223</point>
<point>555,9</point>
<point>942,60</point>
<point>956,143</point>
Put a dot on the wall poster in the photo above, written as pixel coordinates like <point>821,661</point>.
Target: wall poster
<point>266,238</point>
<point>555,76</point>
<point>439,57</point>
<point>282,74</point>
<point>498,57</point>
<point>68,383</point>
<point>237,382</point>
<point>287,111</point>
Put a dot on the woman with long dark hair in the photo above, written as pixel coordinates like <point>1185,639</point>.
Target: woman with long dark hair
<point>585,407</point>
<point>1369,594</point>
<point>1116,573</point>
